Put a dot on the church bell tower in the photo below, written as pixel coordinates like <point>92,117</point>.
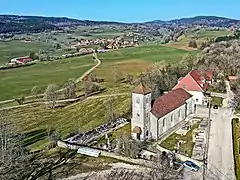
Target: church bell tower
<point>141,107</point>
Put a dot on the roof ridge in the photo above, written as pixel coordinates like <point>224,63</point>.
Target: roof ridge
<point>196,82</point>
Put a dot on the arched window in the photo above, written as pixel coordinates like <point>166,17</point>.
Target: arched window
<point>164,122</point>
<point>172,117</point>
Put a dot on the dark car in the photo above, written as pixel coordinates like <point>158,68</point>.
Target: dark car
<point>215,106</point>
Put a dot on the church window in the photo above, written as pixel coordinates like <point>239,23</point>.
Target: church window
<point>184,86</point>
<point>138,114</point>
<point>179,113</point>
<point>164,122</point>
<point>172,117</point>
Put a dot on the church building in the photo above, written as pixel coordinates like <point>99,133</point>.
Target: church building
<point>150,119</point>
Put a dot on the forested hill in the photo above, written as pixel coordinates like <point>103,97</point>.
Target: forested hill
<point>26,24</point>
<point>208,21</point>
<point>30,24</point>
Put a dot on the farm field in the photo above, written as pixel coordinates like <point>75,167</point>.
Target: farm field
<point>19,81</point>
<point>203,35</point>
<point>12,49</point>
<point>137,59</point>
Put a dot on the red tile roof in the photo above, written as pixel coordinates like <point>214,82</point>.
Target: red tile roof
<point>189,83</point>
<point>170,101</point>
<point>194,80</point>
<point>142,89</point>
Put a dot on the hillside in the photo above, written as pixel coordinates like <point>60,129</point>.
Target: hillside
<point>208,21</point>
<point>31,24</point>
<point>26,24</point>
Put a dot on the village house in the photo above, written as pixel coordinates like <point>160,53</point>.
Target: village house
<point>151,119</point>
<point>20,60</point>
<point>196,83</point>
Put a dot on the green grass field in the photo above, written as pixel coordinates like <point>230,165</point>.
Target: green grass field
<point>137,59</point>
<point>19,81</point>
<point>12,49</point>
<point>203,35</point>
<point>212,34</point>
<point>83,116</point>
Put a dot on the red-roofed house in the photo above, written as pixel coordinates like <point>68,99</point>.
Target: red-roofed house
<point>21,60</point>
<point>196,83</point>
<point>152,120</point>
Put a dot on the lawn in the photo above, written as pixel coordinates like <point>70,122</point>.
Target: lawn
<point>236,137</point>
<point>35,121</point>
<point>217,101</point>
<point>19,81</point>
<point>171,142</point>
<point>16,48</point>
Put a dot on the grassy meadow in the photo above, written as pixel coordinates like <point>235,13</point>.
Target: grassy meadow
<point>16,48</point>
<point>203,35</point>
<point>36,120</point>
<point>19,81</point>
<point>137,59</point>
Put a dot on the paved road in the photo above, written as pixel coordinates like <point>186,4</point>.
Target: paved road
<point>191,175</point>
<point>220,152</point>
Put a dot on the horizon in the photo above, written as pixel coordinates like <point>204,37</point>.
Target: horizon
<point>117,21</point>
<point>134,11</point>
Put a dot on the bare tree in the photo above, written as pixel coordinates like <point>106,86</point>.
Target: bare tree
<point>110,108</point>
<point>35,91</point>
<point>13,157</point>
<point>160,170</point>
<point>129,78</point>
<point>90,87</point>
<point>17,163</point>
<point>127,146</point>
<point>118,76</point>
<point>51,95</point>
<point>70,89</point>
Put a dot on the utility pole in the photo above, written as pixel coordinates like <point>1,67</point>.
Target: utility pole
<point>207,142</point>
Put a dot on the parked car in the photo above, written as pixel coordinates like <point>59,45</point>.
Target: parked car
<point>215,106</point>
<point>191,165</point>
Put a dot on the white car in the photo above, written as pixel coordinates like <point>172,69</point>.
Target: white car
<point>191,165</point>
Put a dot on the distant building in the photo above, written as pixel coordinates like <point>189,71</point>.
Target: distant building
<point>151,120</point>
<point>21,60</point>
<point>232,78</point>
